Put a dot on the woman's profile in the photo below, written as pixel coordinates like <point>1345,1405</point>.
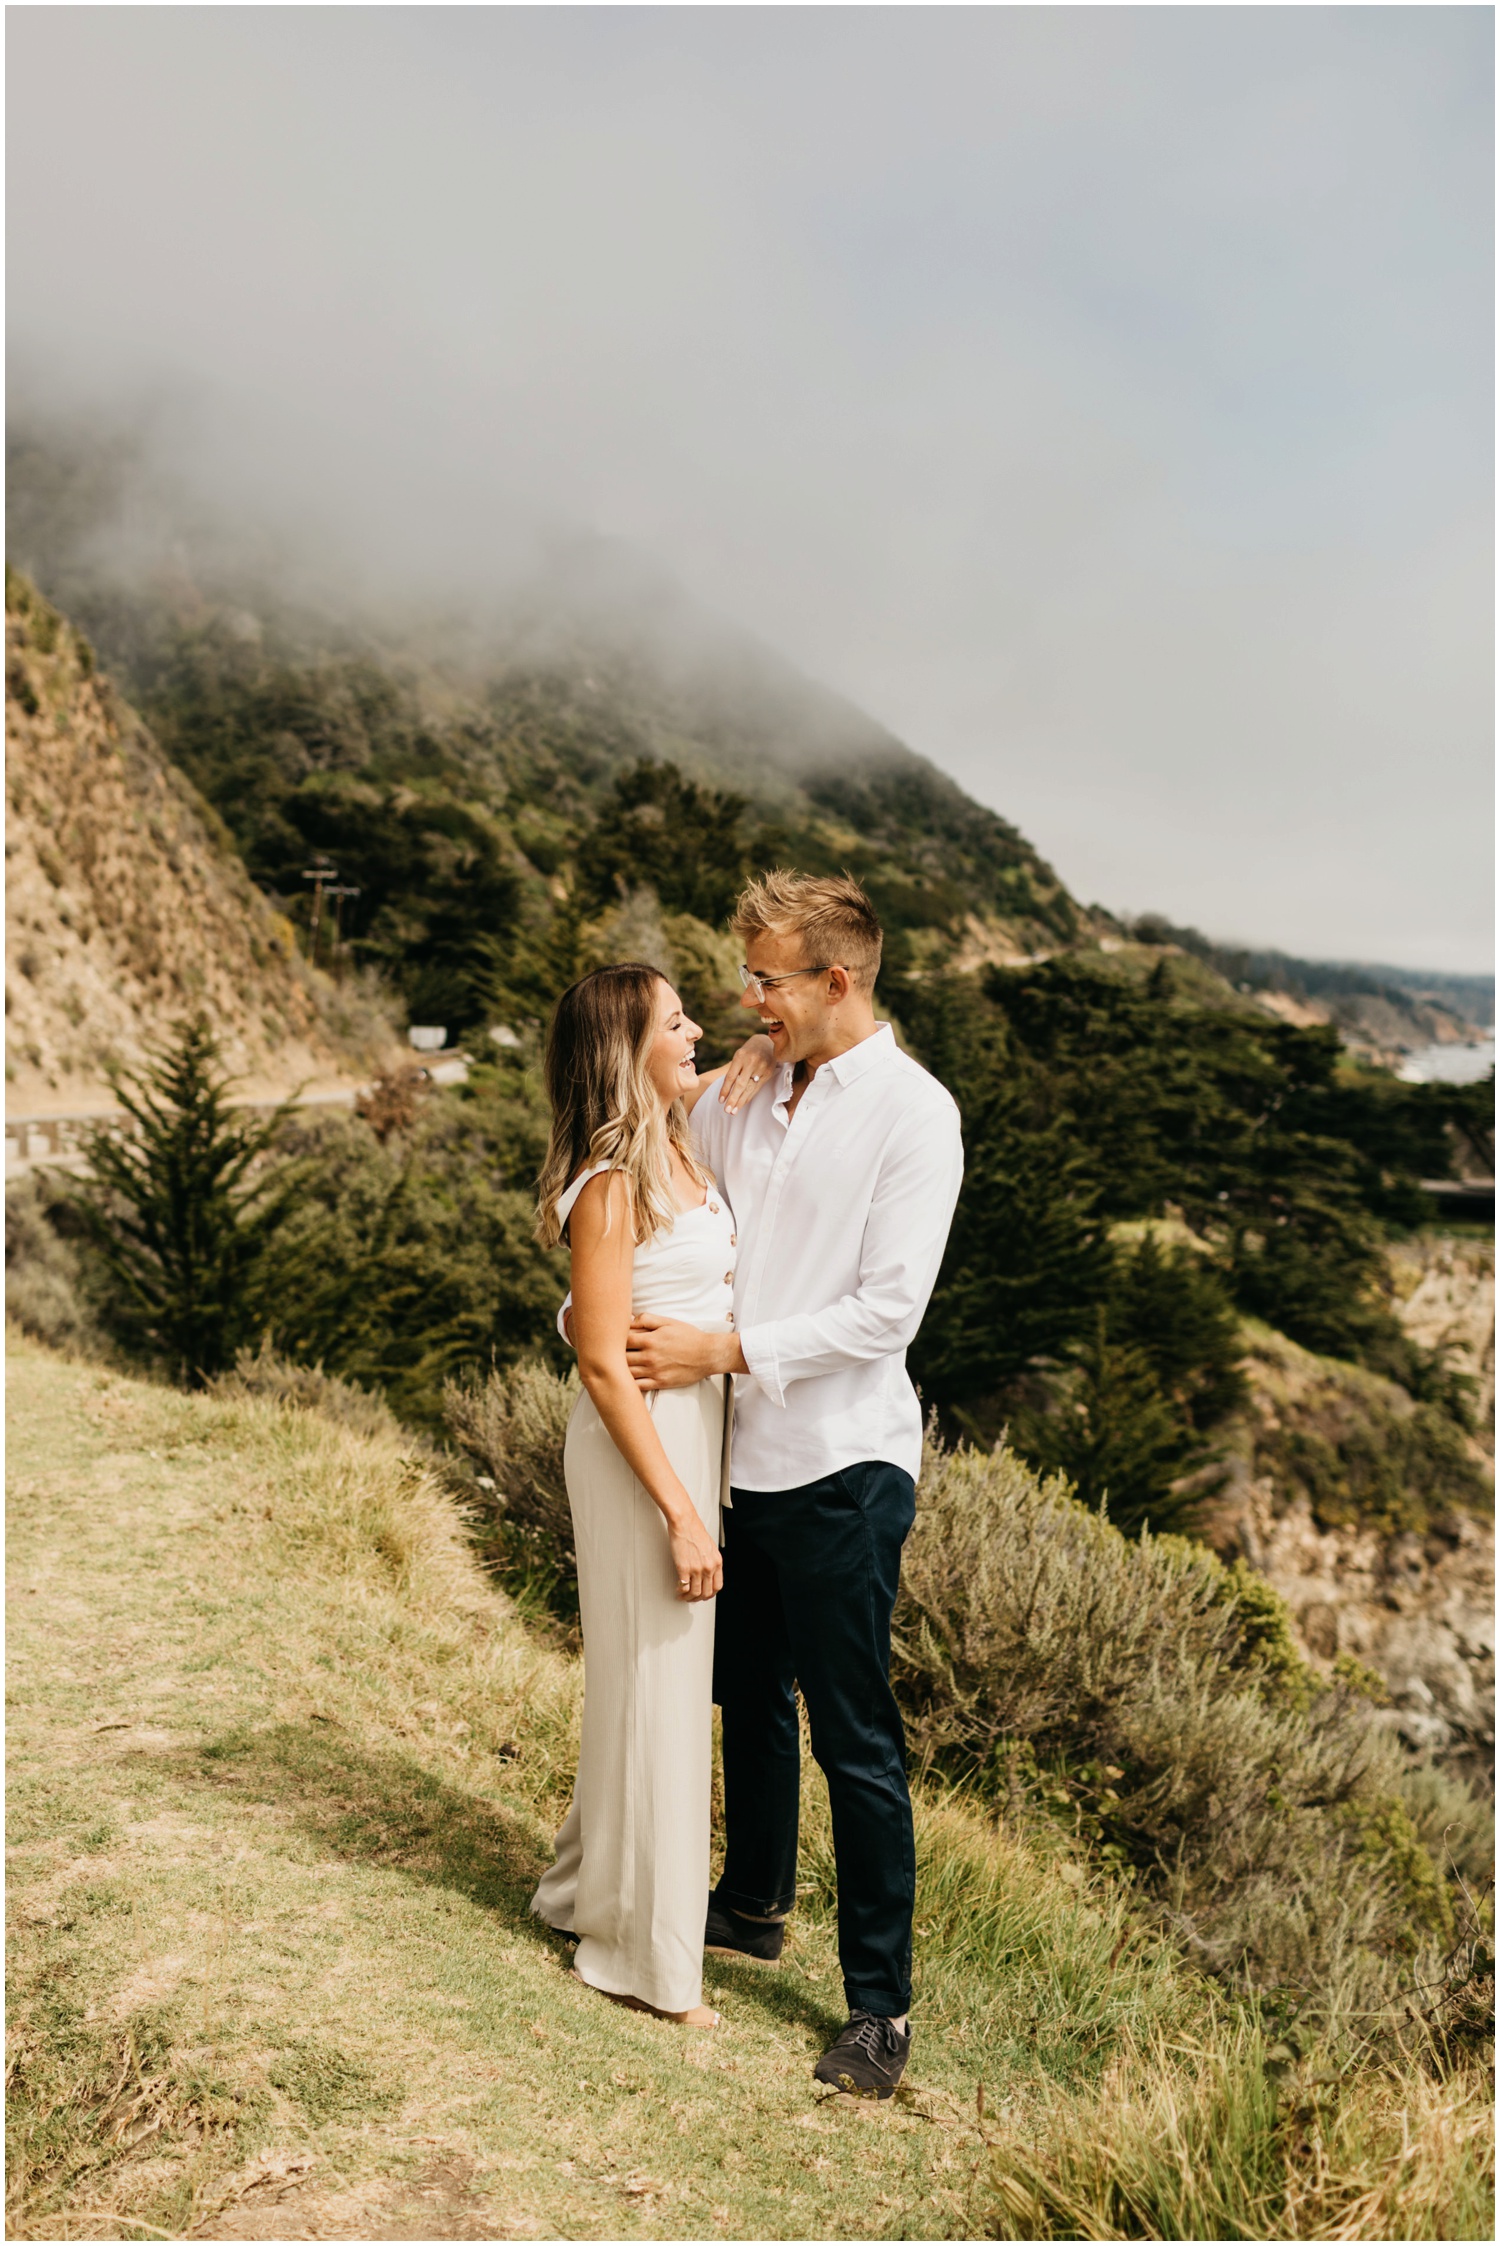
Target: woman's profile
<point>647,1229</point>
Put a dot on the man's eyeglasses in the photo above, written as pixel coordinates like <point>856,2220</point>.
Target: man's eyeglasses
<point>759,986</point>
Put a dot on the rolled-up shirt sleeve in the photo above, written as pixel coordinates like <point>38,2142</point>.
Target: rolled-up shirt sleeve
<point>905,1234</point>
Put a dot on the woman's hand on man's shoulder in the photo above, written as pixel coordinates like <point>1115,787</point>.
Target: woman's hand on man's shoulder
<point>748,1074</point>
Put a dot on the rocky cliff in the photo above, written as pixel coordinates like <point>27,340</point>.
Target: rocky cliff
<point>127,907</point>
<point>1371,1517</point>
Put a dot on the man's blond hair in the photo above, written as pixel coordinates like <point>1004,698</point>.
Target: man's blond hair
<point>830,912</point>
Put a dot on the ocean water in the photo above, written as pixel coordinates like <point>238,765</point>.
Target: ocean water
<point>1449,1064</point>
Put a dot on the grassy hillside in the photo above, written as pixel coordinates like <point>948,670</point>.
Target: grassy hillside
<point>284,1769</point>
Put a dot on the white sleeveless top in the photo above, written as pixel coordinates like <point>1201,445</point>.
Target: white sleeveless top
<point>686,1272</point>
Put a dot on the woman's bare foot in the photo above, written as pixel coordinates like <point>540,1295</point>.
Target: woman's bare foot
<point>701,2016</point>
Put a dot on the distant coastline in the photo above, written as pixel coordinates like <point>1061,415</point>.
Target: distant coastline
<point>1449,1064</point>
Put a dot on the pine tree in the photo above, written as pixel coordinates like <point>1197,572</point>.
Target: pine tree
<point>1027,1258</point>
<point>1116,1437</point>
<point>1173,1306</point>
<point>185,1212</point>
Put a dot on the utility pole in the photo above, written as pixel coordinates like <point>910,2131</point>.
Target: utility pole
<point>338,892</point>
<point>321,875</point>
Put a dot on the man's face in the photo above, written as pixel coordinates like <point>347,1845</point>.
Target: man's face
<point>793,1015</point>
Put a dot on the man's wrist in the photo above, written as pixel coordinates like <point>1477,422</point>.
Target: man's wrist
<point>729,1357</point>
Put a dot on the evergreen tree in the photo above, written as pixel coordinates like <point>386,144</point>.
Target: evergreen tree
<point>1116,1437</point>
<point>1172,1305</point>
<point>1026,1260</point>
<point>185,1213</point>
<point>686,841</point>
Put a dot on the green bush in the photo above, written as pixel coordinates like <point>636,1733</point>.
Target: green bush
<point>46,1271</point>
<point>1150,1699</point>
<point>510,1428</point>
<point>305,1388</point>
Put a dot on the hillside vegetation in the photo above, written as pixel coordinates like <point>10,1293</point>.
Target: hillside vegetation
<point>285,1767</point>
<point>127,904</point>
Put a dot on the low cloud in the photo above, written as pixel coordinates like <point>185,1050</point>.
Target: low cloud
<point>1099,397</point>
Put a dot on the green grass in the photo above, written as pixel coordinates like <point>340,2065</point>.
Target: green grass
<point>285,1770</point>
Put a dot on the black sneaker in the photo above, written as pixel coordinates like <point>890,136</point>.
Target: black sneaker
<point>868,2059</point>
<point>728,1935</point>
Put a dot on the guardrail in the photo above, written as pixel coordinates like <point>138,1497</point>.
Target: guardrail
<point>1470,1198</point>
<point>57,1140</point>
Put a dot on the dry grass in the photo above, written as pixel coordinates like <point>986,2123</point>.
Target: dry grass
<point>1212,2141</point>
<point>284,1771</point>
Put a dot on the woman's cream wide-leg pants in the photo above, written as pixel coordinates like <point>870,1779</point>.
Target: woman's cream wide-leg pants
<point>631,1871</point>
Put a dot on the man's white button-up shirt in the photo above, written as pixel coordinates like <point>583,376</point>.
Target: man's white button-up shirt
<point>841,1213</point>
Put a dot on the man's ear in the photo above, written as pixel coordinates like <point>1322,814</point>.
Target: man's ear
<point>840,983</point>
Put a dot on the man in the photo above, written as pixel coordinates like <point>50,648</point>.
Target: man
<point>843,1184</point>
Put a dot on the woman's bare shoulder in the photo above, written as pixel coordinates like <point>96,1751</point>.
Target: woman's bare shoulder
<point>601,1202</point>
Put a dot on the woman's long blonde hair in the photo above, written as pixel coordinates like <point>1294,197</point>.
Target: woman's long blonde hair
<point>605,1107</point>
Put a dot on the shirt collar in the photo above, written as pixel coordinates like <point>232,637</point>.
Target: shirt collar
<point>860,1058</point>
<point>869,1053</point>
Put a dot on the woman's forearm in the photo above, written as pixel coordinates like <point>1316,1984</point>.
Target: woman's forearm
<point>622,1408</point>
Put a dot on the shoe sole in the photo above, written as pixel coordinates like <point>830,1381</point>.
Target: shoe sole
<point>742,1957</point>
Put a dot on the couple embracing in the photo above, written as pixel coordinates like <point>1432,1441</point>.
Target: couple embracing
<point>752,1252</point>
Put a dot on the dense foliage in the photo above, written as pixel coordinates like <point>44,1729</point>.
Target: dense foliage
<point>1101,1093</point>
<point>486,798</point>
<point>210,1232</point>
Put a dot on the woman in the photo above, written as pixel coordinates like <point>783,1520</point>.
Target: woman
<point>647,1230</point>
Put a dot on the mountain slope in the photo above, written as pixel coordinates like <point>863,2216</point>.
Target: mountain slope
<point>127,906</point>
<point>502,723</point>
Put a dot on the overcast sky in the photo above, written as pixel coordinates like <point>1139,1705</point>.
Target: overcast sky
<point>1100,397</point>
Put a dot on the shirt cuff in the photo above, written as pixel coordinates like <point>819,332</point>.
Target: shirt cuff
<point>758,1347</point>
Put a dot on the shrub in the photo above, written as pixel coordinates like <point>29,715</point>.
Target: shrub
<point>1149,1697</point>
<point>305,1388</point>
<point>46,1290</point>
<point>1355,1445</point>
<point>511,1428</point>
<point>1457,1825</point>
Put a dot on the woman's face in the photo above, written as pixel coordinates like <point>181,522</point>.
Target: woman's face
<point>671,1066</point>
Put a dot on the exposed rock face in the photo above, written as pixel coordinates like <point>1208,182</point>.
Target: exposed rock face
<point>1420,1610</point>
<point>1412,1597</point>
<point>1445,1298</point>
<point>126,906</point>
<point>1383,1029</point>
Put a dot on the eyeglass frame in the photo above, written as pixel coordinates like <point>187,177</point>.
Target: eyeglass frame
<point>750,982</point>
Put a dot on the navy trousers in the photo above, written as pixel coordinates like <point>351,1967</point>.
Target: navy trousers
<point>810,1578</point>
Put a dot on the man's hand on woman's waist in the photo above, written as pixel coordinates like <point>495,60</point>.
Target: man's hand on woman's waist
<point>666,1353</point>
